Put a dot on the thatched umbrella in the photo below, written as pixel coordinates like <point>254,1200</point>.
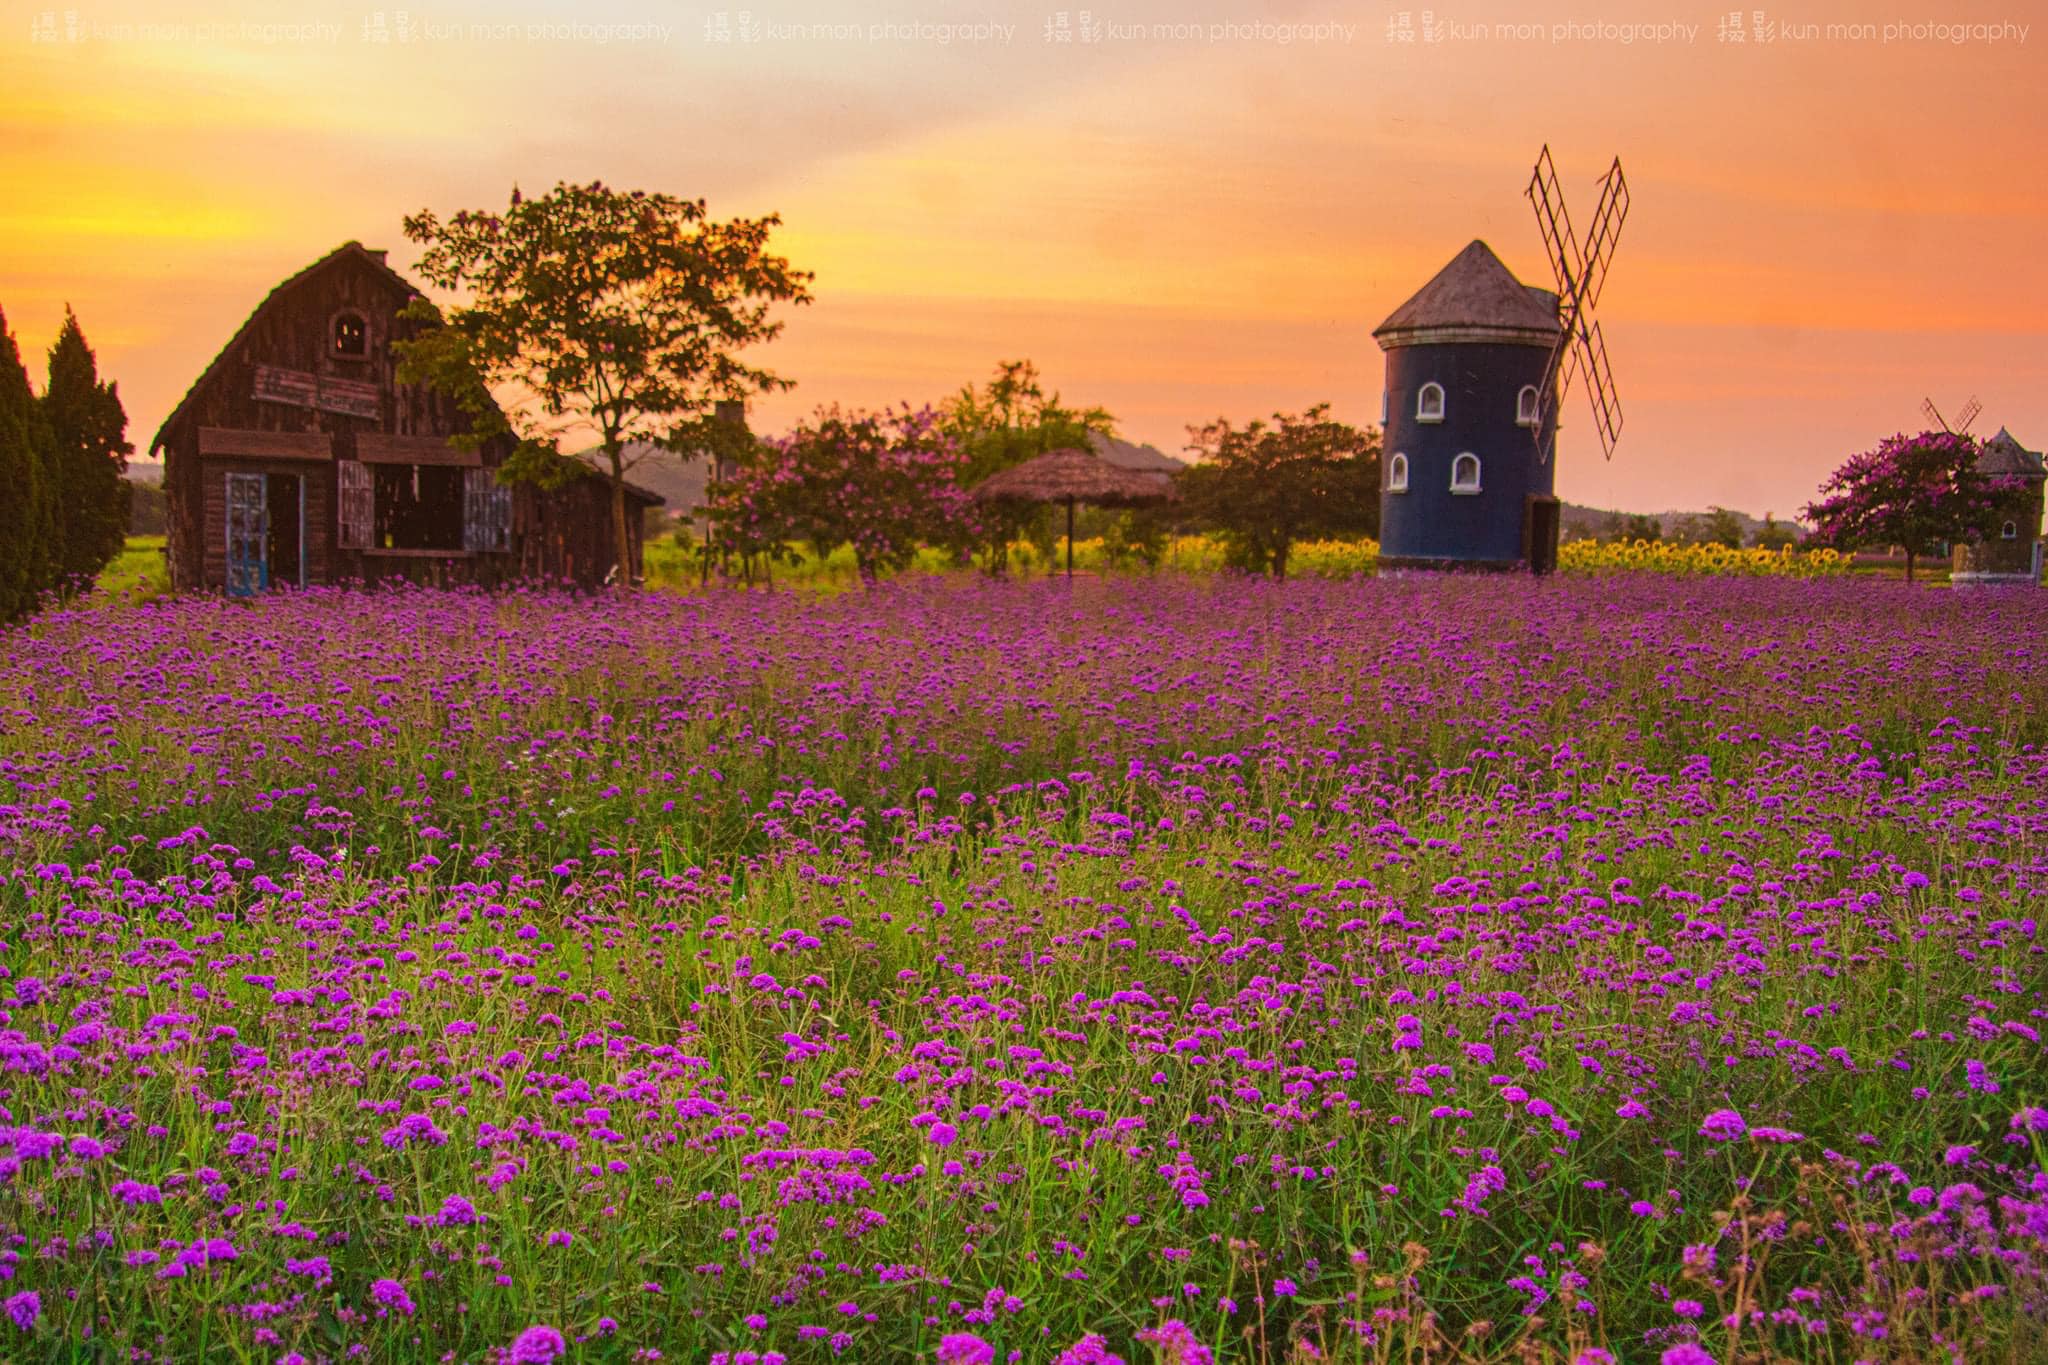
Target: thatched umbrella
<point>1074,476</point>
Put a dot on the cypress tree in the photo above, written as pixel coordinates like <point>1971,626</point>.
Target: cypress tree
<point>24,503</point>
<point>88,431</point>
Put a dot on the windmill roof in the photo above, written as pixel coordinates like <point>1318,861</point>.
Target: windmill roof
<point>2005,456</point>
<point>1474,291</point>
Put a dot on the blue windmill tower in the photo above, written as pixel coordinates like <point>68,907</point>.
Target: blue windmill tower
<point>1477,363</point>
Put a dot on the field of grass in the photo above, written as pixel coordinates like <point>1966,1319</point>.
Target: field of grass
<point>1600,968</point>
<point>138,571</point>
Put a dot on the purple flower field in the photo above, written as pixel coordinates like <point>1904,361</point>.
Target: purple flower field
<point>1164,970</point>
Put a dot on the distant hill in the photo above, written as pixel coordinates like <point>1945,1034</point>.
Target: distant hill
<point>145,471</point>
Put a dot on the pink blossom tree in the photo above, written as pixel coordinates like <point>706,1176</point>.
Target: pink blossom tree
<point>1914,492</point>
<point>881,482</point>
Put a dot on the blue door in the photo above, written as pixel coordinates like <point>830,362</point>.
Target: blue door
<point>248,534</point>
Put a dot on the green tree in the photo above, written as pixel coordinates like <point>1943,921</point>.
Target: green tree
<point>593,309</point>
<point>25,504</point>
<point>1916,492</point>
<point>1721,527</point>
<point>1775,535</point>
<point>1010,420</point>
<point>1263,487</point>
<point>88,429</point>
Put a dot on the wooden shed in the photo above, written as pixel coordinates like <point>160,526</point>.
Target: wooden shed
<point>297,459</point>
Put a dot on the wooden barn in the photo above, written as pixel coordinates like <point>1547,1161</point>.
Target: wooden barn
<point>298,459</point>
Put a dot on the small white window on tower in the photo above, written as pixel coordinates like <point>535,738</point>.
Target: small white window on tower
<point>1397,473</point>
<point>2011,532</point>
<point>1429,403</point>
<point>1525,406</point>
<point>1386,405</point>
<point>1465,473</point>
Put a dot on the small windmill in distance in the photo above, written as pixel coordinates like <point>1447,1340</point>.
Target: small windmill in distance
<point>1580,274</point>
<point>1963,418</point>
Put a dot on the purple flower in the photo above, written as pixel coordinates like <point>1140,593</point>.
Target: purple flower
<point>942,1134</point>
<point>1177,1344</point>
<point>1089,1350</point>
<point>1723,1125</point>
<point>25,1308</point>
<point>964,1348</point>
<point>390,1296</point>
<point>1688,1353</point>
<point>537,1345</point>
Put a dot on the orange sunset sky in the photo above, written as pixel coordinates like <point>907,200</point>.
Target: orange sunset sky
<point>1177,211</point>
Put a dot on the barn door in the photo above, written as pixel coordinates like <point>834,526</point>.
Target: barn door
<point>486,511</point>
<point>248,534</point>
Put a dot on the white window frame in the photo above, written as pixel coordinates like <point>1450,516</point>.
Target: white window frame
<point>1422,412</point>
<point>1527,409</point>
<point>1458,464</point>
<point>1397,473</point>
<point>2011,531</point>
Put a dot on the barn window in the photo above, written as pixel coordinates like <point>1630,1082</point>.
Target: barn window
<point>1397,474</point>
<point>351,336</point>
<point>2011,532</point>
<point>417,507</point>
<point>1465,473</point>
<point>1525,406</point>
<point>1429,404</point>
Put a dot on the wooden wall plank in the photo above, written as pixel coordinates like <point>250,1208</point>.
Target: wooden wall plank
<point>377,448</point>
<point>265,445</point>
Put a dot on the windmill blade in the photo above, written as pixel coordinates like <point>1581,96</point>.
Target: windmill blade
<point>1589,354</point>
<point>1604,233</point>
<point>1554,221</point>
<point>1932,413</point>
<point>1968,415</point>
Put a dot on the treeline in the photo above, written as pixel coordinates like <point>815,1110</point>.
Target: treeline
<point>886,484</point>
<point>63,502</point>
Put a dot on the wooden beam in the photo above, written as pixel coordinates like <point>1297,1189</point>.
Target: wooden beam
<point>265,445</point>
<point>377,448</point>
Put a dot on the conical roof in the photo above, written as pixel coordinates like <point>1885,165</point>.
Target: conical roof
<point>1474,298</point>
<point>2004,457</point>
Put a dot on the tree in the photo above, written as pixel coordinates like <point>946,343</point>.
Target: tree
<point>1915,492</point>
<point>1721,527</point>
<point>883,483</point>
<point>1264,487</point>
<point>88,430</point>
<point>597,309</point>
<point>1625,528</point>
<point>25,504</point>
<point>1010,421</point>
<point>1775,535</point>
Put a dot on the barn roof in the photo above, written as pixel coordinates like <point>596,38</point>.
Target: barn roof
<point>1474,294</point>
<point>350,251</point>
<point>2005,457</point>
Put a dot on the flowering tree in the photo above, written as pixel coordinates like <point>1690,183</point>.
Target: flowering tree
<point>1915,492</point>
<point>883,483</point>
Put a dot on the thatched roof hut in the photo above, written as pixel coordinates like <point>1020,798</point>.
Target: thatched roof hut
<point>1074,476</point>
